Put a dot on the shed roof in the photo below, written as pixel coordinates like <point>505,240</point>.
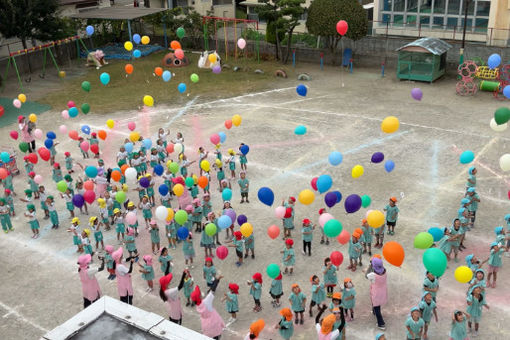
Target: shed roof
<point>433,45</point>
<point>116,13</point>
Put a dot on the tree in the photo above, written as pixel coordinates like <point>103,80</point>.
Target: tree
<point>270,13</point>
<point>324,14</point>
<point>291,12</point>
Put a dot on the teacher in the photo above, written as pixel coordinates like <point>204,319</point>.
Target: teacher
<point>26,129</point>
<point>378,289</point>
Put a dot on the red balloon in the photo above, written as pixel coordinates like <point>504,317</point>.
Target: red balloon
<point>342,27</point>
<point>88,185</point>
<point>13,133</point>
<point>228,124</point>
<point>3,173</point>
<point>222,252</point>
<point>336,258</point>
<point>509,194</point>
<point>178,180</point>
<point>343,238</point>
<point>273,231</point>
<point>2,110</point>
<point>89,196</point>
<point>44,153</point>
<point>94,148</point>
<point>170,148</point>
<point>32,158</point>
<point>313,183</point>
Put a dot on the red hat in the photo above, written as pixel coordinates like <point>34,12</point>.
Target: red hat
<point>31,173</point>
<point>93,134</point>
<point>289,241</point>
<point>288,213</point>
<point>306,221</point>
<point>322,211</point>
<point>67,153</point>
<point>234,288</point>
<point>208,259</point>
<point>196,296</point>
<point>257,277</point>
<point>25,158</point>
<point>20,118</point>
<point>292,198</point>
<point>164,281</point>
<point>238,235</point>
<point>56,165</point>
<point>7,191</point>
<point>279,277</point>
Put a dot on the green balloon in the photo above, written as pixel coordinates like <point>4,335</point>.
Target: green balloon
<point>273,270</point>
<point>365,201</point>
<point>85,86</point>
<point>85,108</point>
<point>332,228</point>
<point>62,186</point>
<point>502,115</point>
<point>423,240</point>
<point>181,217</point>
<point>435,261</point>
<point>181,32</point>
<point>23,146</point>
<point>194,78</point>
<point>120,196</point>
<point>210,229</point>
<point>173,167</point>
<point>189,182</point>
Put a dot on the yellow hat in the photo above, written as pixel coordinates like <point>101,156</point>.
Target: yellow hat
<point>218,163</point>
<point>231,151</point>
<point>131,204</point>
<point>92,220</point>
<point>87,231</point>
<point>218,145</point>
<point>75,220</point>
<point>116,210</point>
<point>125,188</point>
<point>101,200</point>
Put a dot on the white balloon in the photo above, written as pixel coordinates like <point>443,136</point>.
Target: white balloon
<point>496,127</point>
<point>38,133</point>
<point>324,218</point>
<point>178,148</point>
<point>504,162</point>
<point>63,129</point>
<point>161,213</point>
<point>279,212</point>
<point>131,218</point>
<point>130,174</point>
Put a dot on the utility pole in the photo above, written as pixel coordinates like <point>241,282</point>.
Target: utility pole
<point>466,6</point>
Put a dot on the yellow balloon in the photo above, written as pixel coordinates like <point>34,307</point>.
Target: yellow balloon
<point>178,189</point>
<point>236,120</point>
<point>357,171</point>
<point>375,218</point>
<point>148,100</point>
<point>145,40</point>
<point>134,136</point>
<point>212,58</point>
<point>195,178</point>
<point>218,163</point>
<point>306,197</point>
<point>246,229</point>
<point>168,163</point>
<point>128,45</point>
<point>205,165</point>
<point>62,74</point>
<point>22,98</point>
<point>463,274</point>
<point>390,124</point>
<point>32,117</point>
<point>110,123</point>
<point>170,214</point>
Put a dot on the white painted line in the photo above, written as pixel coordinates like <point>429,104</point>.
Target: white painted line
<point>21,317</point>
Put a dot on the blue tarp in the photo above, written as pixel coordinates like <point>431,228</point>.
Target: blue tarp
<point>347,57</point>
<point>118,51</point>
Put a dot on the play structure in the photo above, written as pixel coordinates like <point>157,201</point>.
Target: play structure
<point>475,76</point>
<point>170,60</point>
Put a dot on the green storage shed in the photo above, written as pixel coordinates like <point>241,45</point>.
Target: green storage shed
<point>423,59</point>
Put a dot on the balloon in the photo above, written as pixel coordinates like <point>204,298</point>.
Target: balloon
<point>137,53</point>
<point>91,171</point>
<point>241,43</point>
<point>85,146</point>
<point>23,146</point>
<point>166,76</point>
<point>48,143</point>
<point>181,87</point>
<point>342,27</point>
<point>375,218</point>
<point>38,179</point>
<point>242,219</point>
<point>170,216</point>
<point>161,212</point>
<point>128,68</point>
<point>104,78</point>
<point>182,233</point>
<point>215,138</point>
<point>202,182</point>
<point>306,197</point>
<point>389,165</point>
<point>435,261</point>
<point>423,240</point>
<point>212,58</point>
<point>175,45</point>
<point>101,134</point>
<point>244,149</point>
<point>467,157</point>
<point>2,110</point>
<point>210,229</point>
<point>65,114</point>
<point>132,125</point>
<point>365,201</point>
<point>134,136</point>
<point>116,175</point>
<point>148,100</point>
<point>205,165</point>
<point>158,169</point>
<point>216,69</point>
<point>120,196</point>
<point>436,233</point>
<point>352,203</point>
<point>73,112</point>
<point>181,32</point>
<point>163,190</point>
<point>85,129</point>
<point>222,252</point>
<point>223,136</point>
<point>390,124</point>
<point>416,93</point>
<point>246,229</point>
<point>78,200</point>
<point>494,60</point>
<point>344,237</point>
<point>62,186</point>
<point>90,196</point>
<point>224,222</point>
<point>189,183</point>
<point>71,104</point>
<point>332,228</point>
<point>498,128</point>
<point>38,133</point>
<point>85,85</point>
<point>22,98</point>
<point>144,182</point>
<point>173,167</point>
<point>313,183</point>
<point>336,258</point>
<point>128,45</point>
<point>16,103</point>
<point>300,130</point>
<point>330,199</point>
<point>301,90</point>
<point>178,148</point>
<point>3,173</point>
<point>236,120</point>
<point>178,190</point>
<point>279,212</point>
<point>228,124</point>
<point>179,53</point>
<point>62,74</point>
<point>463,274</point>
<point>130,174</point>
<point>158,71</point>
<point>32,117</point>
<point>62,129</point>
<point>266,196</point>
<point>324,183</point>
<point>136,38</point>
<point>273,270</point>
<point>5,157</point>
<point>44,153</point>
<point>502,115</point>
<point>110,123</point>
<point>377,157</point>
<point>393,253</point>
<point>32,157</point>
<point>273,231</point>
<point>324,218</point>
<point>131,218</point>
<point>504,162</point>
<point>230,213</point>
<point>357,171</point>
<point>335,158</point>
<point>147,143</point>
<point>89,30</point>
<point>226,194</point>
<point>128,147</point>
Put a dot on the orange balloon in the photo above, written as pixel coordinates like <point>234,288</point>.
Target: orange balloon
<point>273,231</point>
<point>102,134</point>
<point>116,175</point>
<point>73,134</point>
<point>175,45</point>
<point>169,148</point>
<point>123,168</point>
<point>88,185</point>
<point>158,71</point>
<point>203,181</point>
<point>128,68</point>
<point>393,253</point>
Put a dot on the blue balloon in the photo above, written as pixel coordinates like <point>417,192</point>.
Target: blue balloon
<point>300,130</point>
<point>5,157</point>
<point>147,143</point>
<point>301,90</point>
<point>389,165</point>
<point>244,149</point>
<point>467,157</point>
<point>163,189</point>
<point>242,219</point>
<point>85,129</point>
<point>51,135</point>
<point>506,91</point>
<point>48,143</point>
<point>137,53</point>
<point>226,194</point>
<point>129,147</point>
<point>338,196</point>
<point>167,75</point>
<point>90,30</point>
<point>324,183</point>
<point>182,233</point>
<point>78,200</point>
<point>377,157</point>
<point>104,78</point>
<point>330,199</point>
<point>494,60</point>
<point>266,196</point>
<point>335,158</point>
<point>73,112</point>
<point>91,171</point>
<point>224,222</point>
<point>158,169</point>
<point>137,38</point>
<point>223,136</point>
<point>436,233</point>
<point>352,203</point>
<point>181,87</point>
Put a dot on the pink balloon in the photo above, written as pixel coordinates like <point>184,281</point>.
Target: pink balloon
<point>85,146</point>
<point>222,252</point>
<point>88,185</point>
<point>241,43</point>
<point>62,129</point>
<point>131,126</point>
<point>342,27</point>
<point>343,238</point>
<point>14,134</point>
<point>89,196</point>
<point>38,179</point>
<point>273,231</point>
<point>16,103</point>
<point>70,104</point>
<point>215,139</point>
<point>313,183</point>
<point>65,114</point>
<point>279,212</point>
<point>38,133</point>
<point>324,218</point>
<point>131,218</point>
<point>179,53</point>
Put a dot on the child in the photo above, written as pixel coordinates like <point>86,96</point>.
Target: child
<point>69,162</point>
<point>336,301</point>
<point>154,231</point>
<point>7,182</point>
<point>202,155</point>
<point>75,229</point>
<point>354,251</point>
<point>57,173</point>
<point>431,285</point>
<point>34,187</point>
<point>307,232</point>
<point>458,328</point>
<point>276,290</point>
<point>475,302</point>
<point>171,233</point>
<point>414,324</point>
<point>132,209</point>
<point>5,217</point>
<point>209,272</point>
<point>150,189</point>
<point>495,263</point>
<point>188,251</point>
<point>147,272</point>
<point>500,236</point>
<point>166,261</point>
<point>196,216</point>
<point>464,226</point>
<point>9,200</point>
<point>44,207</point>
<point>330,280</point>
<point>285,326</point>
<point>146,207</point>
<point>473,206</point>
<point>474,263</point>
<point>85,154</point>
<point>289,257</point>
<point>231,304</point>
<point>349,298</point>
<point>103,213</point>
<point>130,243</point>
<point>188,287</point>
<point>242,158</point>
<point>366,237</point>
<point>109,262</point>
<point>249,245</point>
<point>120,228</point>
<point>68,197</point>
<point>288,218</point>
<point>184,165</point>
<point>207,241</point>
<point>95,224</point>
<point>256,290</point>
<point>478,281</point>
<point>427,307</point>
<point>298,303</point>
<point>220,175</point>
<point>455,235</point>
<point>318,295</point>
<point>238,243</point>
<point>80,190</point>
<point>391,215</point>
<point>85,241</point>
<point>232,163</point>
<point>244,184</point>
<point>471,181</point>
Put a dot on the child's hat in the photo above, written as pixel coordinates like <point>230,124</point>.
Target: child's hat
<point>322,211</point>
<point>359,231</point>
<point>257,277</point>
<point>31,173</point>
<point>230,151</point>
<point>288,213</point>
<point>68,178</point>
<point>289,242</point>
<point>101,201</point>
<point>472,189</point>
<point>2,200</point>
<point>84,260</point>
<point>364,221</point>
<point>393,199</point>
<point>67,153</point>
<point>498,230</point>
<point>471,169</point>
<point>465,201</point>
<point>87,231</point>
<point>189,208</point>
<point>130,231</point>
<point>337,296</point>
<point>257,327</point>
<point>7,191</point>
<point>287,313</point>
<point>461,210</point>
<point>116,210</point>
<point>356,234</point>
<point>379,336</point>
<point>292,198</point>
<point>196,295</point>
<point>327,324</point>
<point>56,165</point>
<point>208,259</point>
<point>414,309</point>
<point>196,201</point>
<point>294,285</point>
<point>347,279</point>
<point>75,220</point>
<point>108,248</point>
<point>469,258</point>
<point>164,281</point>
<point>234,288</point>
<point>238,235</point>
<point>148,259</point>
<point>507,217</point>
<point>493,244</point>
<point>153,222</point>
<point>93,134</point>
<point>131,204</point>
<point>306,221</point>
<point>92,220</point>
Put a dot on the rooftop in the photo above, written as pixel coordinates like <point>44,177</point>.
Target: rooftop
<point>116,13</point>
<point>433,45</point>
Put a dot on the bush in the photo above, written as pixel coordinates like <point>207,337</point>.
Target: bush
<point>251,34</point>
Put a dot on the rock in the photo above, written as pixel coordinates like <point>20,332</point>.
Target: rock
<point>304,76</point>
<point>226,66</point>
<point>236,68</point>
<point>258,71</point>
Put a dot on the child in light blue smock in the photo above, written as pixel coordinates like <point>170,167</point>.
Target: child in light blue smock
<point>256,290</point>
<point>231,302</point>
<point>209,272</point>
<point>431,284</point>
<point>32,220</point>
<point>475,302</point>
<point>414,324</point>
<point>349,298</point>
<point>298,302</point>
<point>495,263</point>
<point>276,290</point>
<point>391,215</point>
<point>289,257</point>
<point>318,295</point>
<point>330,280</point>
<point>166,261</point>
<point>427,307</point>
<point>355,250</point>
<point>458,328</point>
<point>147,272</point>
<point>188,250</point>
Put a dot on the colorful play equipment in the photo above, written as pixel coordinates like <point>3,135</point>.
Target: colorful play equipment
<point>467,85</point>
<point>491,80</point>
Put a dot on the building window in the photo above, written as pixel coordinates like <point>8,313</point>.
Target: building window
<point>483,8</point>
<point>425,20</point>
<point>439,6</point>
<point>481,25</point>
<point>412,5</point>
<point>398,19</point>
<point>454,6</point>
<point>399,5</point>
<point>386,18</point>
<point>387,5</point>
<point>438,22</point>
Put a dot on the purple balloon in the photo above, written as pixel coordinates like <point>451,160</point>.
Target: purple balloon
<point>216,69</point>
<point>144,182</point>
<point>230,213</point>
<point>330,199</point>
<point>338,196</point>
<point>377,157</point>
<point>416,93</point>
<point>352,203</point>
<point>241,219</point>
<point>78,200</point>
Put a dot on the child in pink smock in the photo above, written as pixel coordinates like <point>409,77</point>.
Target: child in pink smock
<point>212,323</point>
<point>89,284</point>
<point>123,274</point>
<point>378,289</point>
<point>171,297</point>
